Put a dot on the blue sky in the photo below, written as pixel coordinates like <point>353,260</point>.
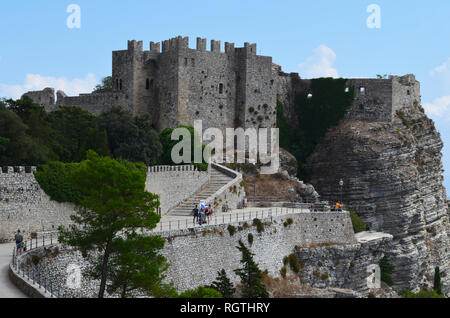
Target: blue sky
<point>314,38</point>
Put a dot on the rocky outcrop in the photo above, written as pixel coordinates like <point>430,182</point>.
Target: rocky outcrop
<point>392,175</point>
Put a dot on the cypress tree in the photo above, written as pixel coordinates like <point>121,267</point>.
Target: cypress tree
<point>437,281</point>
<point>250,274</point>
<point>223,284</point>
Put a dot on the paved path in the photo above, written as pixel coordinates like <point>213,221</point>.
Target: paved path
<point>7,289</point>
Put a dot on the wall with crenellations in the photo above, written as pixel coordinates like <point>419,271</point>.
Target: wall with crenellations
<point>173,184</point>
<point>25,206</point>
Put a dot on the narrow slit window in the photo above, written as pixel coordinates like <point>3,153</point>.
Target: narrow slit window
<point>362,90</point>
<point>220,88</point>
<point>120,84</point>
<point>147,84</point>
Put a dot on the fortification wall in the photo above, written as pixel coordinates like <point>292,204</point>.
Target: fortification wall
<point>174,184</point>
<point>45,98</point>
<point>25,206</point>
<point>197,254</point>
<point>95,103</point>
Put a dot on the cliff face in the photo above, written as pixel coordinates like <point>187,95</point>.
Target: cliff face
<point>392,175</point>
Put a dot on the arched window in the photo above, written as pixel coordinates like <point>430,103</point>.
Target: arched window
<point>147,84</point>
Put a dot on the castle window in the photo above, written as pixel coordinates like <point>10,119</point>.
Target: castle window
<point>185,62</point>
<point>117,83</point>
<point>147,84</point>
<point>120,84</point>
<point>362,90</point>
<point>347,89</point>
<point>220,88</point>
<point>408,92</point>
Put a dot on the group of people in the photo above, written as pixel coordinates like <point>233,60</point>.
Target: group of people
<point>337,207</point>
<point>20,243</point>
<point>202,215</point>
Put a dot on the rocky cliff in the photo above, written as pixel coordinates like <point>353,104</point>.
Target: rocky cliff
<point>392,175</point>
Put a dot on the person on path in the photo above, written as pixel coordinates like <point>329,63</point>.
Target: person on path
<point>196,214</point>
<point>19,239</point>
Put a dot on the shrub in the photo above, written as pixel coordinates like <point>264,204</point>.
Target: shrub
<point>35,259</point>
<point>259,225</point>
<point>283,272</point>
<point>231,229</point>
<point>288,222</point>
<point>357,222</point>
<point>324,276</point>
<point>386,269</point>
<point>422,294</point>
<point>54,179</point>
<point>293,263</point>
<point>250,238</point>
<point>201,292</point>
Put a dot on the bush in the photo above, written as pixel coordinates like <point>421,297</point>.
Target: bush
<point>54,179</point>
<point>259,225</point>
<point>386,269</point>
<point>250,238</point>
<point>288,222</point>
<point>35,259</point>
<point>357,222</point>
<point>231,229</point>
<point>201,292</point>
<point>422,294</point>
<point>293,263</point>
<point>283,272</point>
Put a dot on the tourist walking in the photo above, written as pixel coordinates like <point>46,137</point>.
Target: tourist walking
<point>202,216</point>
<point>196,214</point>
<point>209,213</point>
<point>19,239</point>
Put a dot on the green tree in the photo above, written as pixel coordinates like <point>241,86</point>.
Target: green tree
<point>437,286</point>
<point>77,132</point>
<point>106,85</point>
<point>201,292</point>
<point>223,284</point>
<point>17,147</point>
<point>165,138</point>
<point>357,222</point>
<point>386,269</point>
<point>250,274</point>
<point>136,266</point>
<point>131,138</point>
<point>114,204</point>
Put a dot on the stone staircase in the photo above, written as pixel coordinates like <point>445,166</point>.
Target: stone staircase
<point>217,181</point>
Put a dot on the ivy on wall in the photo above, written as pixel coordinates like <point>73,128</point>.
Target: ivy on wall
<point>318,109</point>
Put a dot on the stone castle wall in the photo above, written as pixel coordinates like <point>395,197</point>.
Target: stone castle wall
<point>174,184</point>
<point>25,206</point>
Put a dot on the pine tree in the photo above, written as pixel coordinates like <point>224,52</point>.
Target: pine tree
<point>250,274</point>
<point>223,284</point>
<point>437,281</point>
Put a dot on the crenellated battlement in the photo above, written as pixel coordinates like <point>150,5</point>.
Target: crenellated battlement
<point>158,169</point>
<point>17,169</point>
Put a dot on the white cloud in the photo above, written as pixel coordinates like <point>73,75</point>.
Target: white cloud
<point>34,82</point>
<point>439,107</point>
<point>442,73</point>
<point>320,64</point>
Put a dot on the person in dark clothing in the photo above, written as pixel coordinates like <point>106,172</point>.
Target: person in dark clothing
<point>195,214</point>
<point>19,239</point>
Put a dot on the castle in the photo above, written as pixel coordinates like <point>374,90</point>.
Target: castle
<point>231,88</point>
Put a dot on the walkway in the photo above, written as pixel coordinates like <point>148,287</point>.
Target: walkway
<point>7,289</point>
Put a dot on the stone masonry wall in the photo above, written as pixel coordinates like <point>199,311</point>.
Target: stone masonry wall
<point>197,254</point>
<point>173,184</point>
<point>25,206</point>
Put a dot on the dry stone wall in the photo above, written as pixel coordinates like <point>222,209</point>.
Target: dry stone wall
<point>25,206</point>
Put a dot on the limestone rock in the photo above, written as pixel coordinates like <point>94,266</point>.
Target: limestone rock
<point>392,175</point>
